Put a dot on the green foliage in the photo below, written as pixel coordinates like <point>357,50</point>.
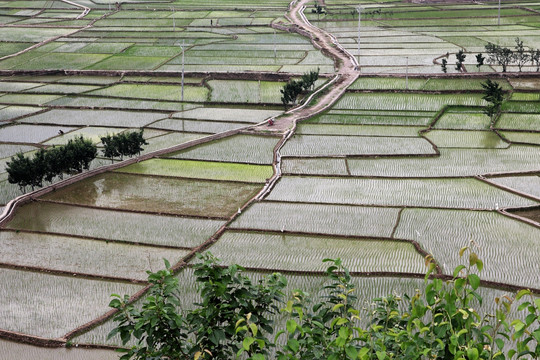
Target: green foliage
<point>443,65</point>
<point>499,55</point>
<point>521,56</point>
<point>493,94</point>
<point>460,56</point>
<point>479,60</point>
<point>534,55</point>
<point>232,319</point>
<point>123,144</point>
<point>293,88</point>
<point>74,157</point>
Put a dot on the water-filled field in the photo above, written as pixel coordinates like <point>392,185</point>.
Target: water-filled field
<point>395,168</point>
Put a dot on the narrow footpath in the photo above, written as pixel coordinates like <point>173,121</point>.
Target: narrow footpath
<point>346,71</point>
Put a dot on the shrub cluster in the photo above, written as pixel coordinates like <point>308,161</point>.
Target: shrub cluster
<point>293,88</point>
<point>233,319</point>
<point>45,165</point>
<point>123,144</point>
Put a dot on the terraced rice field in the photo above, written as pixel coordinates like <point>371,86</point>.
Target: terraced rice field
<point>396,168</point>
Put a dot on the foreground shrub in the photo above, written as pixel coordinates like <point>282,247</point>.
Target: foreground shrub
<point>233,319</point>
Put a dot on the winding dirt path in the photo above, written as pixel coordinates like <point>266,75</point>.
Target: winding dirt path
<point>346,72</point>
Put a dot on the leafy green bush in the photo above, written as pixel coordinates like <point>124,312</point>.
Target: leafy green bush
<point>232,321</point>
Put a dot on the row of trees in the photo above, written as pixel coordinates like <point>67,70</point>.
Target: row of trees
<point>233,319</point>
<point>502,56</point>
<point>123,144</point>
<point>45,165</point>
<point>293,88</point>
<point>74,157</point>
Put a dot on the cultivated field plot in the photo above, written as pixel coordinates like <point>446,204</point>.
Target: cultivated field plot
<point>288,252</point>
<point>399,167</point>
<point>254,150</point>
<point>323,219</point>
<point>113,105</point>
<point>202,170</point>
<point>70,255</point>
<point>126,227</point>
<point>505,245</point>
<point>157,195</point>
<point>324,146</point>
<point>437,193</point>
<point>164,38</point>
<point>400,38</point>
<point>50,306</point>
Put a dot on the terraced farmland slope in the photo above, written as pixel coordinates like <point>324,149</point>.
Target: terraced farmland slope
<point>378,170</point>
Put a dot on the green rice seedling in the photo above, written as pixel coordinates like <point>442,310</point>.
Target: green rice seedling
<point>426,102</point>
<point>119,62</point>
<point>319,218</point>
<point>93,134</point>
<point>202,170</point>
<point>440,193</point>
<point>118,103</point>
<point>247,115</point>
<point>314,166</point>
<point>25,34</point>
<point>55,61</point>
<point>239,91</point>
<point>27,99</point>
<point>297,253</point>
<point>466,139</point>
<point>525,184</point>
<point>8,191</point>
<point>31,133</point>
<point>372,119</point>
<point>118,118</point>
<point>17,86</point>
<point>12,112</point>
<point>160,195</point>
<point>90,80</point>
<point>506,246</point>
<point>123,226</point>
<point>43,305</point>
<point>358,130</point>
<point>207,127</point>
<point>104,48</point>
<point>256,150</point>
<point>377,83</point>
<point>154,92</point>
<point>169,140</point>
<point>450,163</point>
<point>463,121</point>
<point>12,48</point>
<point>524,83</point>
<point>321,146</point>
<point>460,84</point>
<point>514,121</point>
<point>8,150</point>
<point>72,255</point>
<point>522,137</point>
<point>62,89</point>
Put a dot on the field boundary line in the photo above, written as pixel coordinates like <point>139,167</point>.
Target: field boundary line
<point>93,238</point>
<point>71,274</point>
<point>507,189</point>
